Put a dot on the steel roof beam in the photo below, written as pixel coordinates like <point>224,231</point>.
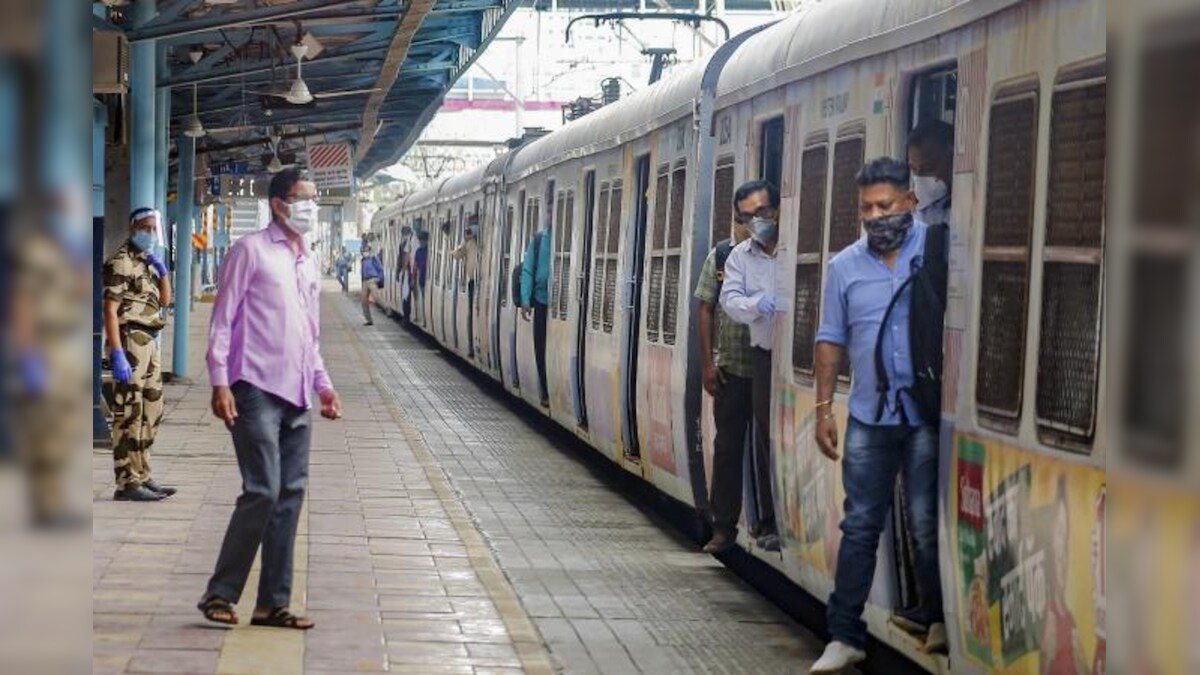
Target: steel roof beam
<point>406,31</point>
<point>232,73</point>
<point>270,14</point>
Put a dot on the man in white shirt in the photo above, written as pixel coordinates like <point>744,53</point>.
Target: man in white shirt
<point>749,296</point>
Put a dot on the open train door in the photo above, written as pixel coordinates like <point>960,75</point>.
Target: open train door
<point>585,285</point>
<point>633,305</point>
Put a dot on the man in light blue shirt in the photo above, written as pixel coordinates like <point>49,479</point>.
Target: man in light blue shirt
<point>884,436</point>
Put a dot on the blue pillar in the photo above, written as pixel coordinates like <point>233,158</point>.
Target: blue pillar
<point>143,124</point>
<point>184,207</point>
<point>99,124</point>
<point>162,123</point>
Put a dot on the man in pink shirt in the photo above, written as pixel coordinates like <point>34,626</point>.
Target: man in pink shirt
<point>264,362</point>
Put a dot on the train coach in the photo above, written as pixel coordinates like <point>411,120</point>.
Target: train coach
<point>635,195</point>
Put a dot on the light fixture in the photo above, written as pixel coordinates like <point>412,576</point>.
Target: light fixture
<point>275,166</point>
<point>194,128</point>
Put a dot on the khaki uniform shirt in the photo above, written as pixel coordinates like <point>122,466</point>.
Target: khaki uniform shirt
<point>129,280</point>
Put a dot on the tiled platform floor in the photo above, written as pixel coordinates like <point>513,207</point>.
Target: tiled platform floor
<point>441,534</point>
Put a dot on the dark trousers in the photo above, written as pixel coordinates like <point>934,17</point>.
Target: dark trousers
<point>471,319</point>
<point>762,439</point>
<point>874,456</point>
<point>540,314</point>
<point>733,413</point>
<point>271,438</point>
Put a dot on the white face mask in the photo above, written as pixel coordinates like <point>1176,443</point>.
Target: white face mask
<point>302,216</point>
<point>929,190</point>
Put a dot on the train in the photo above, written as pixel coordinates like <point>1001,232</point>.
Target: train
<point>636,194</point>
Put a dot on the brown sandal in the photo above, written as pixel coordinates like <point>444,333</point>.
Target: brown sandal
<point>218,610</point>
<point>280,617</point>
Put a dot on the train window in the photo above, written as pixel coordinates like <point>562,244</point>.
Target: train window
<point>1163,290</point>
<point>599,255</point>
<point>610,263</point>
<point>770,152</point>
<point>844,222</point>
<point>658,229</point>
<point>814,170</point>
<point>567,232</point>
<point>674,253</point>
<point>562,255</point>
<point>1069,346</point>
<point>722,201</point>
<point>556,267</point>
<point>506,255</point>
<point>1004,281</point>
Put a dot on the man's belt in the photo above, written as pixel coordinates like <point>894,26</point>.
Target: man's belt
<point>141,328</point>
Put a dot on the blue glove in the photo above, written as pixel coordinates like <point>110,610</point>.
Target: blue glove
<point>33,373</point>
<point>766,305</point>
<point>122,371</point>
<point>158,265</point>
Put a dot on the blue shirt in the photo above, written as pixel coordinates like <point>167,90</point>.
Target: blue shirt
<point>372,268</point>
<point>537,288</point>
<point>858,289</point>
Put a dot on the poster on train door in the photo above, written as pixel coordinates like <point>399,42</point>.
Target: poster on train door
<point>1029,532</point>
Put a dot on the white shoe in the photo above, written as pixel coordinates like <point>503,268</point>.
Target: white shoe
<point>935,642</point>
<point>838,656</point>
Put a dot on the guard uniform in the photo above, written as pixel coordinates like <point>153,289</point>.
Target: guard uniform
<point>138,406</point>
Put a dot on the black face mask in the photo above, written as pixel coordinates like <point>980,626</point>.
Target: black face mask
<point>887,233</point>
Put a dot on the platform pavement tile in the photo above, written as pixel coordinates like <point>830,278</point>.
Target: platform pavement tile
<point>173,661</point>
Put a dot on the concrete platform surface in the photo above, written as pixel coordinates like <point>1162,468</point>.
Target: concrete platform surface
<point>441,534</point>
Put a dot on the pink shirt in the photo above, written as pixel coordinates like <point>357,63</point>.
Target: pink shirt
<point>265,326</point>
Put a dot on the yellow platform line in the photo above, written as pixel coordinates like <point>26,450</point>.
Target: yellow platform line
<point>526,639</point>
<point>252,650</point>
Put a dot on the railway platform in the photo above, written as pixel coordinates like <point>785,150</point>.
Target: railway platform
<point>442,533</point>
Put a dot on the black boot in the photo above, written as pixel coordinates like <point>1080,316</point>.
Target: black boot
<point>160,489</point>
<point>136,493</point>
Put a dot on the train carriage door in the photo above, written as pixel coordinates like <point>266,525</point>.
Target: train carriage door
<point>933,99</point>
<point>585,271</point>
<point>633,299</point>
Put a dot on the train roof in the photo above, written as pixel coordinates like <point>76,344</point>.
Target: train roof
<point>462,184</point>
<point>659,104</point>
<point>827,34</point>
<point>425,196</point>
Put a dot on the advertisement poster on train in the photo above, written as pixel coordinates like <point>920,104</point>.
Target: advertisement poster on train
<point>806,486</point>
<point>1024,524</point>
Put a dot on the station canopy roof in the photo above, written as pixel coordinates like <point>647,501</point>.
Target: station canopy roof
<point>375,71</point>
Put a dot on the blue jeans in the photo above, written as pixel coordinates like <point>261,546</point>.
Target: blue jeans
<point>874,455</point>
<point>271,438</point>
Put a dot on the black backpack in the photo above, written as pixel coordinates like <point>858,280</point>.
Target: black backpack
<point>516,273</point>
<point>926,315</point>
<point>721,254</point>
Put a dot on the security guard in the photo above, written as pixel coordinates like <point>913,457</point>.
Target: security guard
<point>136,287</point>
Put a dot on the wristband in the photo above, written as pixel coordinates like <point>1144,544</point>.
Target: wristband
<point>828,401</point>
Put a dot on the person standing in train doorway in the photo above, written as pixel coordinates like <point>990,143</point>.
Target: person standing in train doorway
<point>420,258</point>
<point>749,296</point>
<point>404,280</point>
<point>931,162</point>
<point>264,362</point>
<point>728,378</point>
<point>468,253</point>
<point>876,293</point>
<point>535,297</point>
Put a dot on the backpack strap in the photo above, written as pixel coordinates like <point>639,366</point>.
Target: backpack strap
<point>934,250</point>
<point>720,255</point>
<point>882,383</point>
<point>537,258</point>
